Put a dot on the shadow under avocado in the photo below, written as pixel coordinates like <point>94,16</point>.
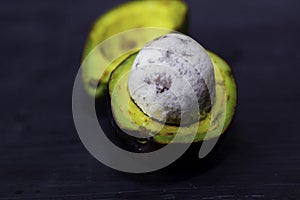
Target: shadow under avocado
<point>187,166</point>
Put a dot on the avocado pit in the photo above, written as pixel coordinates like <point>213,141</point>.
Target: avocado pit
<point>168,74</point>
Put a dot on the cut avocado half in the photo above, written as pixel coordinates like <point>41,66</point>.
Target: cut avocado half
<point>130,118</point>
<point>101,48</point>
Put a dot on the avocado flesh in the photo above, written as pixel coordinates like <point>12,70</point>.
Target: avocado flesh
<point>164,15</point>
<point>130,118</point>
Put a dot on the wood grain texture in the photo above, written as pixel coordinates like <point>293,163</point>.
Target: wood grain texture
<point>41,156</point>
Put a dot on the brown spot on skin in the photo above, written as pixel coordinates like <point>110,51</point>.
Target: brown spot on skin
<point>203,115</point>
<point>139,26</point>
<point>128,44</point>
<point>93,83</point>
<point>228,98</point>
<point>229,73</point>
<point>105,73</point>
<point>142,130</point>
<point>220,83</point>
<point>103,52</point>
<point>169,134</point>
<point>217,117</point>
<point>149,44</point>
<point>166,2</point>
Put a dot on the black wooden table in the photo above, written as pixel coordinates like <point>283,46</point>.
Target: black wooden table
<point>41,156</point>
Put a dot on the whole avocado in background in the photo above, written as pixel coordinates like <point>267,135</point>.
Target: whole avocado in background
<point>167,15</point>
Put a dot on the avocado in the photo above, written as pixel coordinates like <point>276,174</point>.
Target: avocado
<point>130,118</point>
<point>104,42</point>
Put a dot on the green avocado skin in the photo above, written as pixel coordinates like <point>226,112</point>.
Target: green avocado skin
<point>104,44</point>
<point>129,118</point>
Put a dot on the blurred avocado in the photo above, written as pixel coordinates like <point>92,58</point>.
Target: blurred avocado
<point>100,61</point>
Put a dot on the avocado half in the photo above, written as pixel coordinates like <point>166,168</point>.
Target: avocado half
<point>130,119</point>
<point>99,61</point>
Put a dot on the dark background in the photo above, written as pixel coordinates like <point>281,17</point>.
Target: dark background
<point>42,157</point>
